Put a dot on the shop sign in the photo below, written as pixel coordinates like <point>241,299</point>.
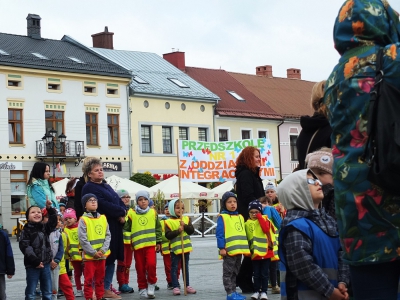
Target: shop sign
<point>10,166</point>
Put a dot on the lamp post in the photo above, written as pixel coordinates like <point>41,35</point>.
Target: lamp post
<point>48,140</point>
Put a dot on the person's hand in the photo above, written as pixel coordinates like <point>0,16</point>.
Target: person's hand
<point>40,266</point>
<point>98,254</point>
<point>53,265</point>
<point>180,229</point>
<point>121,220</point>
<point>182,223</point>
<point>158,248</point>
<point>337,295</point>
<point>343,289</point>
<point>222,252</point>
<point>9,276</point>
<point>48,203</point>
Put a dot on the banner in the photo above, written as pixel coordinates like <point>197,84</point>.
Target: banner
<point>215,161</point>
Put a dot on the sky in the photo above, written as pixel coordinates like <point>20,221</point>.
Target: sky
<point>234,35</point>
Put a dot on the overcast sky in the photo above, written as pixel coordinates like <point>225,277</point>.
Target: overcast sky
<point>235,35</point>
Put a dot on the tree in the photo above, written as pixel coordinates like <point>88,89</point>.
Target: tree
<point>144,179</point>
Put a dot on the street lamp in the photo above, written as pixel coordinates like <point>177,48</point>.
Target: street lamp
<point>48,140</point>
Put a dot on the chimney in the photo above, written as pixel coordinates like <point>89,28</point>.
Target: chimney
<point>294,73</point>
<point>33,22</point>
<point>103,39</point>
<point>264,71</point>
<point>177,59</point>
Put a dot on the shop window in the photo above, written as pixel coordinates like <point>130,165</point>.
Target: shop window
<point>19,201</point>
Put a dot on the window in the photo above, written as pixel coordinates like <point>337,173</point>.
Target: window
<point>178,82</point>
<point>139,80</point>
<point>236,95</point>
<point>262,134</point>
<point>293,148</point>
<point>89,88</point>
<point>183,133</point>
<point>146,138</point>
<point>245,134</point>
<point>53,85</point>
<point>39,55</point>
<point>55,120</point>
<point>203,134</point>
<point>14,82</point>
<point>15,126</point>
<point>19,200</point>
<point>112,90</point>
<point>92,129</point>
<point>113,129</point>
<point>223,135</point>
<point>75,60</point>
<point>167,139</point>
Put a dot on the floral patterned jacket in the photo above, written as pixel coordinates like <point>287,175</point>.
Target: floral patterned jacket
<point>368,217</point>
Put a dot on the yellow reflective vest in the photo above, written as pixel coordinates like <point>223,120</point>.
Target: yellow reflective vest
<point>74,248</point>
<point>274,239</point>
<point>63,269</point>
<point>127,234</point>
<point>175,243</point>
<point>165,242</point>
<point>258,240</point>
<point>143,230</point>
<point>235,235</point>
<point>96,230</point>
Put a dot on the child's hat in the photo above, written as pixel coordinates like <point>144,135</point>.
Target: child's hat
<point>322,160</point>
<point>122,193</point>
<point>171,207</point>
<point>255,205</point>
<point>61,204</point>
<point>151,202</point>
<point>142,193</point>
<point>166,205</point>
<point>227,195</point>
<point>270,186</point>
<point>69,213</point>
<point>86,198</point>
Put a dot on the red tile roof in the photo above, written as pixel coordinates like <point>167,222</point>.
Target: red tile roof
<point>219,82</point>
<point>289,97</point>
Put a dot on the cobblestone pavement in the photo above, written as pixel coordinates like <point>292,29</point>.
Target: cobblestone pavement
<point>204,267</point>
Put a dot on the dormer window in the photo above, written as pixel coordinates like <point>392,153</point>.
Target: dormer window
<point>2,52</point>
<point>236,95</point>
<point>178,82</point>
<point>139,80</point>
<point>75,60</point>
<point>39,55</point>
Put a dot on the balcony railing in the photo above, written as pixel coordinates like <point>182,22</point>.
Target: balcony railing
<point>73,149</point>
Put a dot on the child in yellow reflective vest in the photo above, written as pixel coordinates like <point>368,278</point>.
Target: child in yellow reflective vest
<point>145,229</point>
<point>94,238</point>
<point>232,243</point>
<point>261,246</point>
<point>124,266</point>
<point>64,282</point>
<point>178,225</point>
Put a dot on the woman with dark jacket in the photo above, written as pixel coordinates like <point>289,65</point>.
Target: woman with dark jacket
<point>110,205</point>
<point>248,188</point>
<point>316,131</point>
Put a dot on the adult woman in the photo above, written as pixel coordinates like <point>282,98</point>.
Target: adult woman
<point>248,187</point>
<point>39,187</point>
<point>111,205</point>
<point>316,132</point>
<point>368,217</point>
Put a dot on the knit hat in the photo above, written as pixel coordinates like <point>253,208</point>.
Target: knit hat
<point>270,186</point>
<point>227,195</point>
<point>61,204</point>
<point>142,193</point>
<point>85,198</point>
<point>70,213</point>
<point>151,202</point>
<point>255,205</point>
<point>171,207</point>
<point>166,205</point>
<point>122,193</point>
<point>27,211</point>
<point>322,160</point>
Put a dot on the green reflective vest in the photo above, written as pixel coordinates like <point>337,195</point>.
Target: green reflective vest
<point>258,240</point>
<point>175,243</point>
<point>73,250</point>
<point>143,230</point>
<point>235,235</point>
<point>165,242</point>
<point>127,234</point>
<point>96,230</point>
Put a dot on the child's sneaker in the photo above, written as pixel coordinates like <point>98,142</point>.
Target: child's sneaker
<point>190,290</point>
<point>150,291</point>
<point>125,289</point>
<point>114,290</point>
<point>276,290</point>
<point>255,296</point>
<point>239,296</point>
<point>78,293</point>
<point>263,296</point>
<point>170,286</point>
<point>143,294</point>
<point>176,291</point>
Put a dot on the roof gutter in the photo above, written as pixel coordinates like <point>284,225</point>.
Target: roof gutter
<point>129,131</point>
<point>280,153</point>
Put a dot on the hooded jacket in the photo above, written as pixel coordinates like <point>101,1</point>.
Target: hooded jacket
<point>368,218</point>
<point>249,187</point>
<point>295,194</point>
<point>38,191</point>
<point>309,126</point>
<point>7,264</point>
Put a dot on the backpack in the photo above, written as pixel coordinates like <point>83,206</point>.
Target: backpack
<point>382,149</point>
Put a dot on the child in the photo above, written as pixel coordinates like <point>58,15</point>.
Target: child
<point>232,243</point>
<point>178,224</point>
<point>145,231</point>
<point>61,207</point>
<point>74,252</point>
<point>7,265</point>
<point>261,246</point>
<point>94,238</point>
<point>124,266</point>
<point>270,192</point>
<point>310,252</point>
<point>64,282</point>
<point>35,246</point>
